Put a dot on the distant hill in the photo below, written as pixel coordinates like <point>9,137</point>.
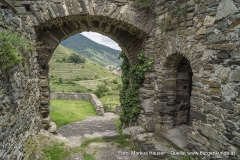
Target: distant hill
<point>101,54</point>
<point>82,77</point>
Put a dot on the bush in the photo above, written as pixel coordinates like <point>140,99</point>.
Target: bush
<point>74,58</point>
<point>79,91</point>
<point>115,81</point>
<point>78,79</point>
<point>101,90</point>
<point>12,47</point>
<point>60,80</point>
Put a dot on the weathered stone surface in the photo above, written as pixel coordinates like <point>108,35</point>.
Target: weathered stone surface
<point>52,128</point>
<point>197,115</point>
<point>208,131</point>
<point>201,31</point>
<point>225,8</point>
<point>134,130</point>
<point>222,55</point>
<point>150,126</point>
<point>236,141</point>
<point>214,85</point>
<point>235,54</point>
<point>227,105</point>
<point>209,21</point>
<point>235,76</point>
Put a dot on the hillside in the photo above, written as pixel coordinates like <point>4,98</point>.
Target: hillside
<point>82,78</point>
<point>101,54</point>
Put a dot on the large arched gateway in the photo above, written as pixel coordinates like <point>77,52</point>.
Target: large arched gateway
<point>195,46</point>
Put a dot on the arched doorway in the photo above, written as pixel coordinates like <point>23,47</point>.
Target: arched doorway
<point>175,92</point>
<point>183,92</point>
<point>50,36</point>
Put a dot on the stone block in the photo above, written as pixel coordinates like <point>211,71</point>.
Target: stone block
<point>229,124</point>
<point>214,85</point>
<point>194,113</point>
<point>235,54</point>
<point>209,21</point>
<point>147,104</point>
<point>225,8</point>
<point>236,141</point>
<point>20,10</point>
<point>222,55</point>
<point>216,92</point>
<point>150,126</point>
<point>201,31</point>
<point>221,25</point>
<point>214,144</point>
<point>229,136</point>
<point>215,98</point>
<point>235,76</point>
<point>227,105</point>
<point>208,131</point>
<point>233,62</point>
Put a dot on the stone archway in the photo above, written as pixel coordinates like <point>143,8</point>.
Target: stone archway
<point>121,24</point>
<point>174,96</point>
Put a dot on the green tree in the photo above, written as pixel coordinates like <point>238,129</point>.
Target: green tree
<point>115,81</point>
<point>74,58</point>
<point>101,91</point>
<point>64,59</point>
<point>60,80</point>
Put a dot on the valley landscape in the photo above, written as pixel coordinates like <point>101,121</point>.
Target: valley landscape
<point>85,77</point>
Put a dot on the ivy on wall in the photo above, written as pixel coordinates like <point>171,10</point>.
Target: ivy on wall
<point>132,79</point>
<point>12,46</point>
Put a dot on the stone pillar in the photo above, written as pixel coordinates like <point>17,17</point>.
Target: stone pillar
<point>44,54</point>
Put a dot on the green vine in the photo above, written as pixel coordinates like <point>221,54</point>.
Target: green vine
<point>12,46</point>
<point>132,79</point>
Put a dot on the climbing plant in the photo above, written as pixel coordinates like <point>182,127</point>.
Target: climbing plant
<point>12,46</point>
<point>132,79</point>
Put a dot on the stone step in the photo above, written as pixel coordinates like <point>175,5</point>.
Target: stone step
<point>177,136</point>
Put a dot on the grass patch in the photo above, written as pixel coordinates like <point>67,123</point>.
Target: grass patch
<point>169,145</point>
<point>88,156</point>
<point>55,152</point>
<point>66,111</point>
<point>87,142</point>
<point>122,140</point>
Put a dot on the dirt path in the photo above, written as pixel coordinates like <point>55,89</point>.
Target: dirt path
<point>92,127</point>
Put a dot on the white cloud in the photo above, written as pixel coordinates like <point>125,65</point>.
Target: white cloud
<point>101,39</point>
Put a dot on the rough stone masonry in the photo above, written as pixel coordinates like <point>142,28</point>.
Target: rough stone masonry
<point>194,80</point>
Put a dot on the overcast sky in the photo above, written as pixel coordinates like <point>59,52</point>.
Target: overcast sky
<point>101,39</point>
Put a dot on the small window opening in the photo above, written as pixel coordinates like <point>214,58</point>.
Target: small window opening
<point>27,7</point>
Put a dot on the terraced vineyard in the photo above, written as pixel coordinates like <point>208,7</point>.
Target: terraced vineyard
<point>83,77</point>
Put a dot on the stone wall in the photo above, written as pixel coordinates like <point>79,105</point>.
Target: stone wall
<point>80,96</point>
<point>20,119</point>
<point>204,32</point>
